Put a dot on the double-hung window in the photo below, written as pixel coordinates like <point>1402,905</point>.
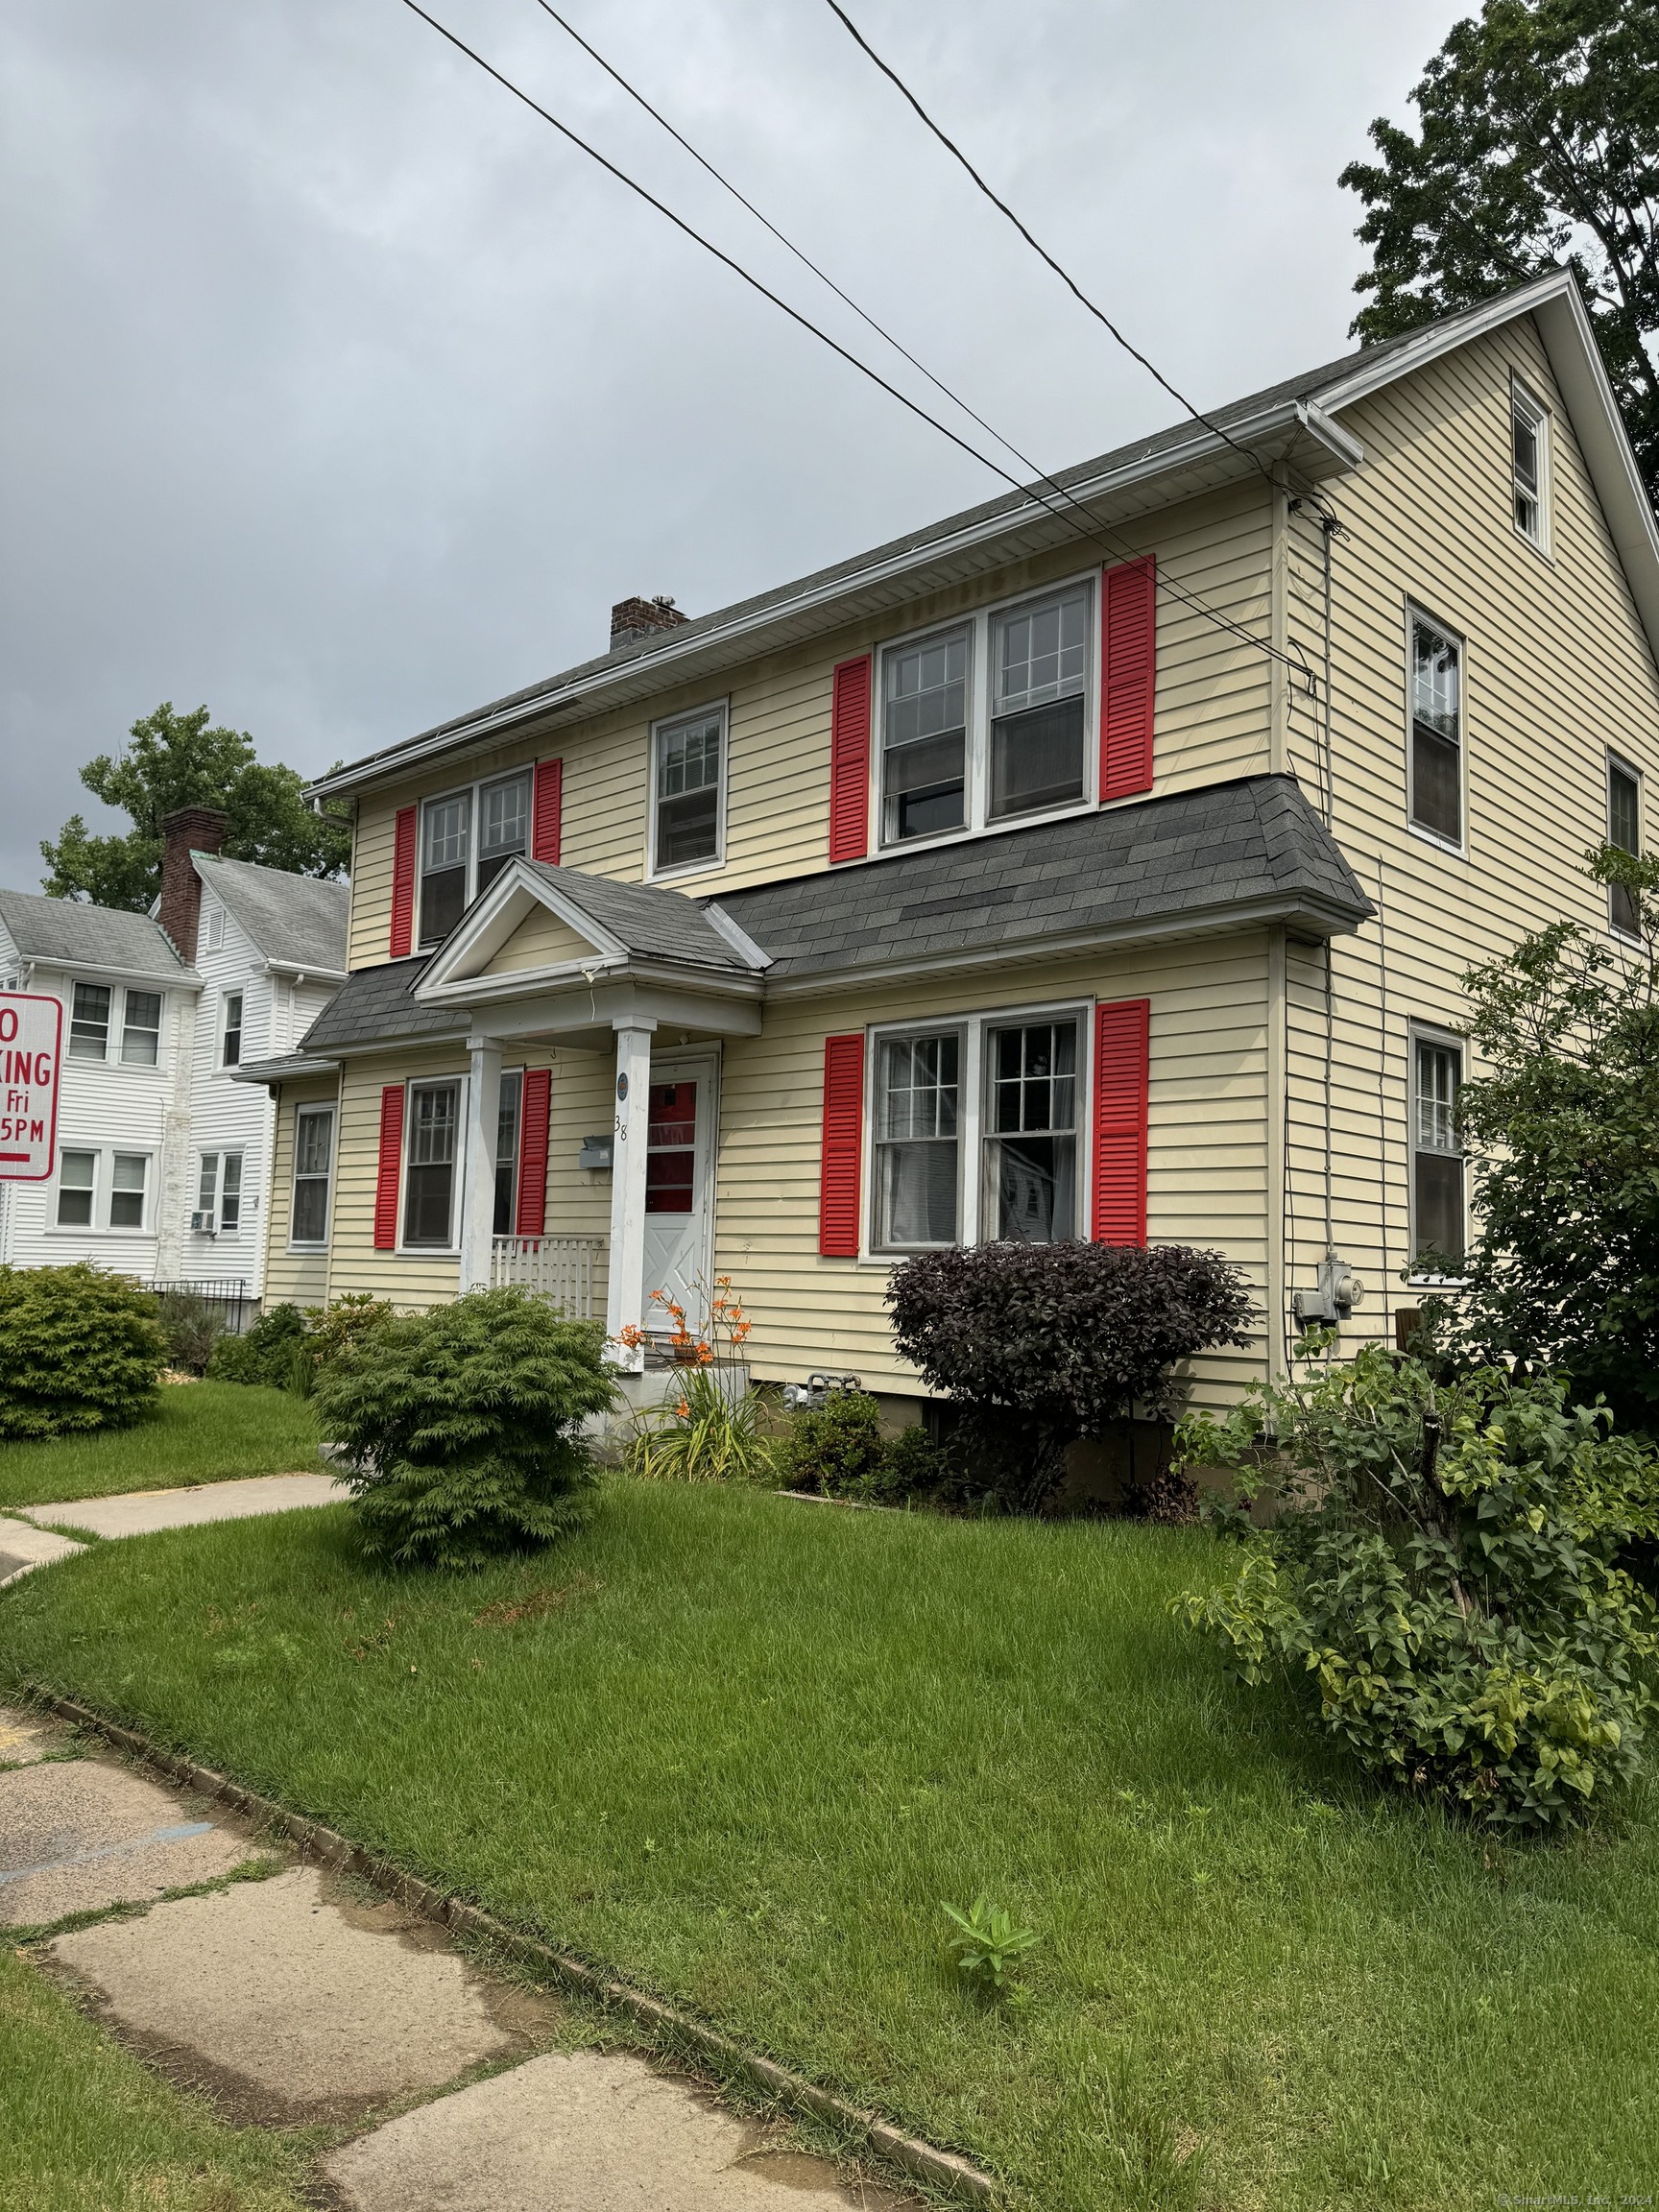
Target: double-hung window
<point>917,1168</point>
<point>89,1022</point>
<point>507,1123</point>
<point>102,1190</point>
<point>313,1160</point>
<point>1039,663</point>
<point>455,865</point>
<point>1030,1133</point>
<point>219,1191</point>
<point>1529,465</point>
<point>924,737</point>
<point>129,1176</point>
<point>1436,677</point>
<point>141,1029</point>
<point>430,1175</point>
<point>686,805</point>
<point>77,1179</point>
<point>230,1044</point>
<point>1437,1205</point>
<point>503,827</point>
<point>1624,831</point>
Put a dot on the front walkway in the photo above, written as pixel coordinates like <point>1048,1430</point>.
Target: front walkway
<point>31,1537</point>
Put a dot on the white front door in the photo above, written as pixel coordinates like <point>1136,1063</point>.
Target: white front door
<point>679,1184</point>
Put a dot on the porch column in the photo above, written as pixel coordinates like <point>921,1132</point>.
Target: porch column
<point>478,1172</point>
<point>625,1288</point>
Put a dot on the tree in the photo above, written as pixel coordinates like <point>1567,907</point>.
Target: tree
<point>1539,148</point>
<point>1562,1275</point>
<point>173,761</point>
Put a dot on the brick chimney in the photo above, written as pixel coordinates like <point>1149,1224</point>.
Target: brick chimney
<point>632,620</point>
<point>190,829</point>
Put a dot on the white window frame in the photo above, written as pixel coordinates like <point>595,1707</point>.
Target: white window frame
<point>329,1107</point>
<point>665,727</point>
<point>215,936</point>
<point>457,1196</point>
<point>1416,612</point>
<point>1524,406</point>
<point>110,1023</point>
<point>973,1026</point>
<point>130,990</point>
<point>980,626</point>
<point>472,793</point>
<point>220,1156</point>
<point>225,997</point>
<point>104,1191</point>
<point>1429,1033</point>
<point>88,1227</point>
<point>1618,763</point>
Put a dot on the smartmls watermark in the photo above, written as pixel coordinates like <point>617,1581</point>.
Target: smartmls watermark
<point>1574,2197</point>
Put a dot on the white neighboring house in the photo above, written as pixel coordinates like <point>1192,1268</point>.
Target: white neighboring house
<point>129,1019</point>
<point>163,1157</point>
<point>270,953</point>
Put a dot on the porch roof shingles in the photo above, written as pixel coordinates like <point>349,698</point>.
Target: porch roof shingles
<point>652,919</point>
<point>1254,843</point>
<point>377,1003</point>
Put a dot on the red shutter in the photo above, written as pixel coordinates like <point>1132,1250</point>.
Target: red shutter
<point>1122,1066</point>
<point>546,812</point>
<point>843,1147</point>
<point>391,1159</point>
<point>850,761</point>
<point>1128,677</point>
<point>403,884</point>
<point>535,1100</point>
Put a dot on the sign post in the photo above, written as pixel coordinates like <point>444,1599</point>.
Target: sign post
<point>30,1058</point>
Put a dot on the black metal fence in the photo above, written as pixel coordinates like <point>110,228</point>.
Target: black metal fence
<point>227,1295</point>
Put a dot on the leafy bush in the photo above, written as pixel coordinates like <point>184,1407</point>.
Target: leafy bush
<point>706,1434</point>
<point>1442,1582</point>
<point>837,1450</point>
<point>79,1349</point>
<point>190,1328</point>
<point>1042,1343</point>
<point>265,1354</point>
<point>331,1331</point>
<point>461,1427</point>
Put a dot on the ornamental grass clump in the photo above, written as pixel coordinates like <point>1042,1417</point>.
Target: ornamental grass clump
<point>1442,1583</point>
<point>79,1349</point>
<point>460,1428</point>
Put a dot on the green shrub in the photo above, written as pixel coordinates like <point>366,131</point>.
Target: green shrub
<point>265,1354</point>
<point>332,1330</point>
<point>461,1427</point>
<point>79,1349</point>
<point>1442,1583</point>
<point>703,1435</point>
<point>190,1328</point>
<point>837,1450</point>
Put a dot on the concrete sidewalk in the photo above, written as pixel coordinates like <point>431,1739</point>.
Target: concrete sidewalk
<point>139,1512</point>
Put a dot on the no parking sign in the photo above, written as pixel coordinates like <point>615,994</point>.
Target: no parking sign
<point>30,1052</point>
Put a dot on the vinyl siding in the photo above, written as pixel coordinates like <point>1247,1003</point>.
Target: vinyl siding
<point>294,1277</point>
<point>412,1281</point>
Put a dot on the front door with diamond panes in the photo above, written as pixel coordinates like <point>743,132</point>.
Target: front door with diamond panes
<point>679,1185</point>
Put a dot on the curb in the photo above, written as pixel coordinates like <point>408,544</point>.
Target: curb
<point>943,2170</point>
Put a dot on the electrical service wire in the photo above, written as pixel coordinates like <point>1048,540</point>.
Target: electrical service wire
<point>1092,530</point>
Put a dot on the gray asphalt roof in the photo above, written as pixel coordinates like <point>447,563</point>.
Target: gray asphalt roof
<point>649,918</point>
<point>375,1004</point>
<point>1255,840</point>
<point>88,936</point>
<point>297,920</point>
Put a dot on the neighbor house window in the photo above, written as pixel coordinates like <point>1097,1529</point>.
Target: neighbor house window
<point>77,1173</point>
<point>503,827</point>
<point>430,1181</point>
<point>230,1056</point>
<point>924,737</point>
<point>687,790</point>
<point>127,1182</point>
<point>917,1179</point>
<point>219,1190</point>
<point>1437,1227</point>
<point>1040,663</point>
<point>507,1121</point>
<point>1623,830</point>
<point>89,1022</point>
<point>1030,1132</point>
<point>141,1029</point>
<point>1530,448</point>
<point>446,846</point>
<point>313,1159</point>
<point>1437,730</point>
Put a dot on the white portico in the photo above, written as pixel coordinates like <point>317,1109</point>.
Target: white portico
<point>549,958</point>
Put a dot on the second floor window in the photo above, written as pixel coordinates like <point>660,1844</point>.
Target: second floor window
<point>446,849</point>
<point>1623,830</point>
<point>1040,658</point>
<point>686,796</point>
<point>141,1029</point>
<point>925,737</point>
<point>231,1055</point>
<point>89,1022</point>
<point>1529,430</point>
<point>503,827</point>
<point>1437,730</point>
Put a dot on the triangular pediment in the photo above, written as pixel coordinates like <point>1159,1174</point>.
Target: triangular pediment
<point>523,926</point>
<point>542,940</point>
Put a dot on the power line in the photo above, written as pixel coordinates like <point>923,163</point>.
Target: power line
<point>1070,283</point>
<point>1092,530</point>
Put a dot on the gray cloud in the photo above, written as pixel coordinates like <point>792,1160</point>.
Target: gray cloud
<point>342,395</point>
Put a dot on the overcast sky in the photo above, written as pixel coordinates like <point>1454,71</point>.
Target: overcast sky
<point>342,395</point>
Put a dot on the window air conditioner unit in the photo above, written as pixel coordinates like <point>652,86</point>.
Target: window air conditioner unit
<point>204,1222</point>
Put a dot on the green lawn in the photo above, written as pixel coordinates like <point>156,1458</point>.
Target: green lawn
<point>740,1749</point>
<point>200,1432</point>
<point>85,2127</point>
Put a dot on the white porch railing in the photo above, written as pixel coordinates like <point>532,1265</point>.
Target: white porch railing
<point>567,1271</point>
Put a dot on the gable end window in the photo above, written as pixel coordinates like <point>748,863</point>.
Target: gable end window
<point>1529,465</point>
<point>230,1053</point>
<point>1624,831</point>
<point>686,795</point>
<point>1437,685</point>
<point>1437,1203</point>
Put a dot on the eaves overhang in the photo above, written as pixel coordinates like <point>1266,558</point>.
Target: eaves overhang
<point>290,1068</point>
